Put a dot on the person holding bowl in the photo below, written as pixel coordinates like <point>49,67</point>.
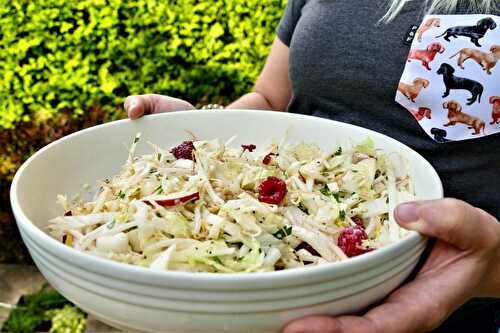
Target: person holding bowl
<point>421,72</point>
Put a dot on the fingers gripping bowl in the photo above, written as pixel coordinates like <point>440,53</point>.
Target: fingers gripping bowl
<point>141,299</point>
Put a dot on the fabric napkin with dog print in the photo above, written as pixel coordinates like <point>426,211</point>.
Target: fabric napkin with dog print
<point>451,80</point>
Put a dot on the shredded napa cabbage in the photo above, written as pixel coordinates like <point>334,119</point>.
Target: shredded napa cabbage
<point>205,214</point>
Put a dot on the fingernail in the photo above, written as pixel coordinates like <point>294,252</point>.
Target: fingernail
<point>299,326</point>
<point>133,109</point>
<point>407,212</point>
<point>294,328</point>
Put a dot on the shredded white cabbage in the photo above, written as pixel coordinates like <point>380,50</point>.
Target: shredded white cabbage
<point>205,213</point>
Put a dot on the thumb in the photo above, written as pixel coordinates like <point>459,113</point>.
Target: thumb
<point>139,105</point>
<point>326,324</point>
<point>136,106</point>
<point>450,220</point>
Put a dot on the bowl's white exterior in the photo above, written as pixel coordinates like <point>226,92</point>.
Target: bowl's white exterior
<point>135,298</point>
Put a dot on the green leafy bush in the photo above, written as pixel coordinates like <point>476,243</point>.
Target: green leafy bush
<point>73,55</point>
<point>45,310</point>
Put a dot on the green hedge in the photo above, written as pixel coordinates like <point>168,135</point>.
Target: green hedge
<point>73,55</point>
<point>66,65</point>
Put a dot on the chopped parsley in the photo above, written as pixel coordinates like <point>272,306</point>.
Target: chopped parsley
<point>158,190</point>
<point>158,156</point>
<point>111,225</point>
<point>217,260</point>
<point>338,152</point>
<point>158,214</point>
<point>121,195</point>
<point>283,232</point>
<point>303,208</point>
<point>342,215</point>
<point>326,191</point>
<point>136,139</point>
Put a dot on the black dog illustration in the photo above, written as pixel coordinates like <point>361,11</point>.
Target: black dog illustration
<point>439,134</point>
<point>474,32</point>
<point>454,82</point>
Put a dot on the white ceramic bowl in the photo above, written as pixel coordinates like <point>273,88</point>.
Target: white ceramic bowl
<point>138,299</point>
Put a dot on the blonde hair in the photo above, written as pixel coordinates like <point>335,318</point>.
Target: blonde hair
<point>444,6</point>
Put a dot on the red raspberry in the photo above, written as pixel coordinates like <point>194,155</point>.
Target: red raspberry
<point>359,221</point>
<point>272,190</point>
<point>350,241</point>
<point>184,150</point>
<point>250,148</point>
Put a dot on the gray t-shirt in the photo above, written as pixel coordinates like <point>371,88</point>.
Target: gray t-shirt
<point>346,66</point>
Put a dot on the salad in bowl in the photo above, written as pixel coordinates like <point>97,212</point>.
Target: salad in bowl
<point>211,206</point>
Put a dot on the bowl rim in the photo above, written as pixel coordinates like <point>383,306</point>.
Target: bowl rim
<point>126,271</point>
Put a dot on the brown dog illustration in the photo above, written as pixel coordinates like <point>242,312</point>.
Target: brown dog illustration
<point>455,115</point>
<point>411,91</point>
<point>495,114</point>
<point>486,60</point>
<point>426,55</point>
<point>421,113</point>
<point>429,24</point>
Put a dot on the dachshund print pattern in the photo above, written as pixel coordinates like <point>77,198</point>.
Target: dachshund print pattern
<point>451,80</point>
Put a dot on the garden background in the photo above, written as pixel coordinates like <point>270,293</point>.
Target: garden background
<point>67,65</point>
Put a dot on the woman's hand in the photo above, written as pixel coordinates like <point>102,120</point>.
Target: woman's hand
<point>464,263</point>
<point>139,105</point>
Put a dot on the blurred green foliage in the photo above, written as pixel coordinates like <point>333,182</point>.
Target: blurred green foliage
<point>77,54</point>
<point>69,319</point>
<point>45,310</point>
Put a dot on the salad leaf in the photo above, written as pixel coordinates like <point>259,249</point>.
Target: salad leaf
<point>306,152</point>
<point>366,147</point>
